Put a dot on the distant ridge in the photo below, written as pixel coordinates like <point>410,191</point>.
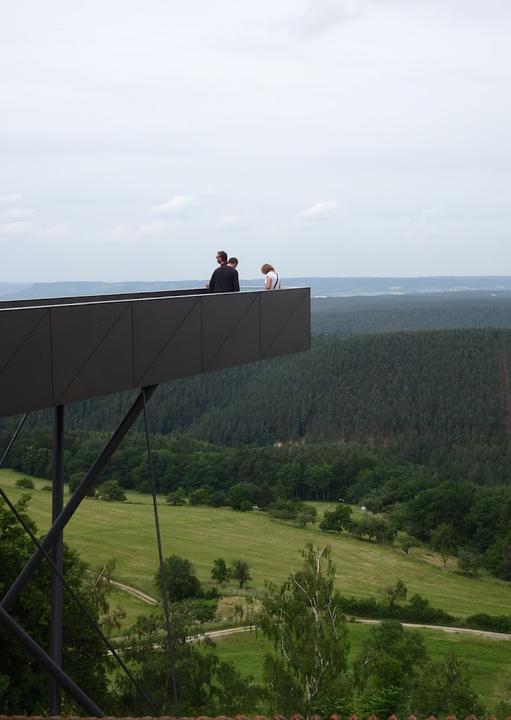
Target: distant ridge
<point>320,286</point>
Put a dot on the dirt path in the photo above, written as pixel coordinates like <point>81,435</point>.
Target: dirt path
<point>247,628</point>
<point>136,593</point>
<point>445,628</point>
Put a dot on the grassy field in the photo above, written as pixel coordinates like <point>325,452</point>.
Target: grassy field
<point>125,531</point>
<point>489,660</point>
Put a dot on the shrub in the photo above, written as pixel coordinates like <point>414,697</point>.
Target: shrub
<point>177,497</point>
<point>211,594</point>
<point>25,482</point>
<point>307,514</point>
<point>285,509</point>
<point>493,623</point>
<point>201,496</point>
<point>111,491</point>
<point>417,609</point>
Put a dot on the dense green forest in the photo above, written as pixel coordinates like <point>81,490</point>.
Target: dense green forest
<point>439,397</point>
<point>435,311</point>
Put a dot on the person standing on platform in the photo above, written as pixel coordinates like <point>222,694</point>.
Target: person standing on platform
<point>271,277</point>
<point>225,278</point>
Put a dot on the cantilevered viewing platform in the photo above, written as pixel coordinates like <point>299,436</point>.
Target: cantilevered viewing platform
<point>60,350</point>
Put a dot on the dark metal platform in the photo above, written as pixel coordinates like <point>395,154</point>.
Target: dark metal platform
<point>60,350</point>
<point>56,351</point>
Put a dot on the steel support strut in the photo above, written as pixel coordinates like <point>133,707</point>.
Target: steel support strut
<point>13,439</point>
<point>81,491</point>
<point>166,609</point>
<point>51,667</point>
<point>57,590</point>
<point>80,604</point>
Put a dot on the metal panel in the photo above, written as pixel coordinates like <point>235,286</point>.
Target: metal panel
<point>25,361</point>
<point>230,330</point>
<point>167,339</point>
<point>92,350</point>
<point>61,353</point>
<point>285,322</point>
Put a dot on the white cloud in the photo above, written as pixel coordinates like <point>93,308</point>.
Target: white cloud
<point>15,228</point>
<point>18,213</point>
<point>319,210</point>
<point>174,206</point>
<point>13,198</point>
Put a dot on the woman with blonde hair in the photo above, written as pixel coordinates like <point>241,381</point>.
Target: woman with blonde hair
<point>271,277</point>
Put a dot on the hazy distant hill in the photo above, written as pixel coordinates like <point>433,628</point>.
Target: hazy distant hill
<point>11,290</point>
<point>328,287</point>
<point>86,287</point>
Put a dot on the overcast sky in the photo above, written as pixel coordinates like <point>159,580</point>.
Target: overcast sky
<point>328,137</point>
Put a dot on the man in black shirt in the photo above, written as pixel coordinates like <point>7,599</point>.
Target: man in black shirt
<point>225,278</point>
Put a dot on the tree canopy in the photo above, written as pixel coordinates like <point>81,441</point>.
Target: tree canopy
<point>303,617</point>
<point>23,687</point>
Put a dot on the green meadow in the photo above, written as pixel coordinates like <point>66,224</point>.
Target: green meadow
<point>489,660</point>
<point>125,531</point>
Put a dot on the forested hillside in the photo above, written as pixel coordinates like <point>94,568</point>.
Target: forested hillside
<point>436,311</point>
<point>439,397</point>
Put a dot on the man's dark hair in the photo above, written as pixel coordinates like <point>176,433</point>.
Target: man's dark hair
<point>222,255</point>
<point>233,260</point>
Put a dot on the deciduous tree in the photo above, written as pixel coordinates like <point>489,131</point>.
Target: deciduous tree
<point>23,686</point>
<point>386,668</point>
<point>308,671</point>
<point>178,579</point>
<point>444,688</point>
<point>205,685</point>
<point>240,571</point>
<point>443,541</point>
<point>336,520</point>
<point>220,573</point>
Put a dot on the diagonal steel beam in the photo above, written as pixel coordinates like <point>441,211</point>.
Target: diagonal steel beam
<point>57,588</point>
<point>49,665</point>
<point>230,333</point>
<point>300,302</point>
<point>80,604</point>
<point>81,491</point>
<point>13,439</point>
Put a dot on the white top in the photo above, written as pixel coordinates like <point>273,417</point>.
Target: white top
<point>274,280</point>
